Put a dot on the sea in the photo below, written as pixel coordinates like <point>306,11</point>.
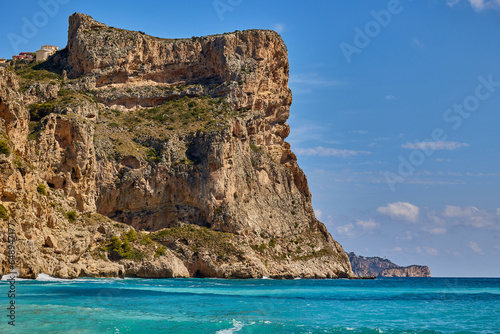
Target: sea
<point>224,306</point>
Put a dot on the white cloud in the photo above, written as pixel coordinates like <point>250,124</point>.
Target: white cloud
<point>442,160</point>
<point>368,224</point>
<point>359,132</point>
<point>313,79</point>
<point>279,28</point>
<point>475,247</point>
<point>382,139</point>
<point>417,43</point>
<point>436,145</point>
<point>456,211</point>
<point>390,97</point>
<point>477,5</point>
<point>482,4</point>
<point>318,213</point>
<point>329,152</point>
<point>397,249</point>
<point>346,230</point>
<point>497,247</point>
<point>498,212</point>
<point>402,210</point>
<point>437,230</point>
<point>472,216</point>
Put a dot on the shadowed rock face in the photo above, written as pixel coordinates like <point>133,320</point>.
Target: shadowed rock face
<point>184,139</point>
<point>378,267</point>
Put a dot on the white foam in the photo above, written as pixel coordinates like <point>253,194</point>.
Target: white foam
<point>265,277</point>
<point>46,278</point>
<point>13,274</point>
<point>237,326</point>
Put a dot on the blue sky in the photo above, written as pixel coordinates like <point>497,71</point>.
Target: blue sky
<point>395,114</point>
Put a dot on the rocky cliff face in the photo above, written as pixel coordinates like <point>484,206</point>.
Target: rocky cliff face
<point>182,141</point>
<point>378,267</point>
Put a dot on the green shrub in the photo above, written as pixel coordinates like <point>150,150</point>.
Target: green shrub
<point>255,148</point>
<point>131,235</point>
<point>132,255</point>
<point>272,243</point>
<point>41,189</point>
<point>71,216</point>
<point>4,147</point>
<point>160,252</point>
<point>126,247</point>
<point>40,110</point>
<point>3,212</point>
<point>152,155</point>
<point>145,240</point>
<point>116,244</point>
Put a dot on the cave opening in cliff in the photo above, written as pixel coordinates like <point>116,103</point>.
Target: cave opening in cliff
<point>198,274</point>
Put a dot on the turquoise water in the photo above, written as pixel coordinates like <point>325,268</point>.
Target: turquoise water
<point>389,305</point>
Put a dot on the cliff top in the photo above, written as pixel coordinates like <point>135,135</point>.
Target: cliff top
<point>80,21</point>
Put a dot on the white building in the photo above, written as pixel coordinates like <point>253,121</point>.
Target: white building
<point>45,52</point>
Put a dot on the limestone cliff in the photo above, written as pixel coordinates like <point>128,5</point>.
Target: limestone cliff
<point>127,154</point>
<point>378,267</point>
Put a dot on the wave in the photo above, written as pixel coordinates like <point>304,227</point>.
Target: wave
<point>13,274</point>
<point>47,278</point>
<point>237,326</point>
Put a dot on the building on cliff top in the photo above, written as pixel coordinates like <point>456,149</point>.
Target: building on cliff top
<point>45,52</point>
<point>23,55</point>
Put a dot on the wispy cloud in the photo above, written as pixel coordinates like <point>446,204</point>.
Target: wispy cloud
<point>456,211</point>
<point>347,230</point>
<point>437,230</point>
<point>475,247</point>
<point>390,97</point>
<point>306,131</point>
<point>477,5</point>
<point>368,224</point>
<point>376,141</point>
<point>417,43</point>
<point>470,216</point>
<point>403,210</point>
<point>329,152</point>
<point>313,79</point>
<point>482,4</point>
<point>359,132</point>
<point>279,28</point>
<point>435,145</point>
<point>427,250</point>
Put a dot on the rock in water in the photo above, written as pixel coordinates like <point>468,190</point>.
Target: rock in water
<point>131,155</point>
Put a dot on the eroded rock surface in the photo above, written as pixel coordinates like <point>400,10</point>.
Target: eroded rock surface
<point>134,155</point>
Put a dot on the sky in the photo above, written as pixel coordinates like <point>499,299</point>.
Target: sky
<point>395,114</point>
